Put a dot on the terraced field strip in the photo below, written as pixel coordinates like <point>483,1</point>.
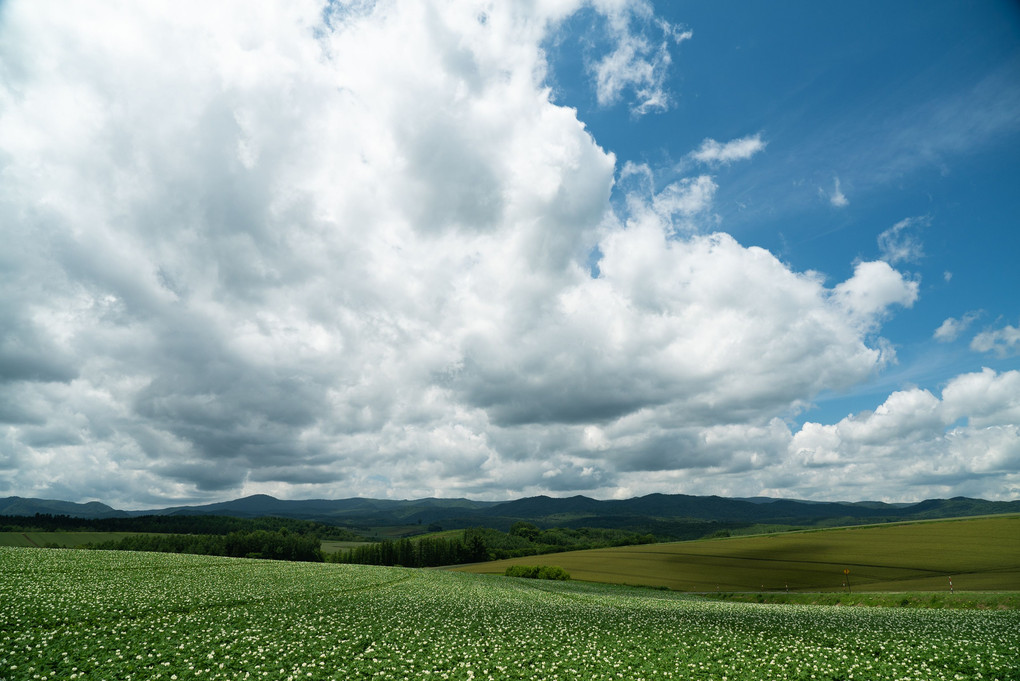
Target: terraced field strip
<point>978,553</point>
<point>65,539</point>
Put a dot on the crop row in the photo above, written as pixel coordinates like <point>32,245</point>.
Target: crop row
<point>116,615</point>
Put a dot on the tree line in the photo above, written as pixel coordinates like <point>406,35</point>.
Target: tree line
<point>276,545</point>
<point>422,552</point>
<point>480,544</point>
<point>293,539</point>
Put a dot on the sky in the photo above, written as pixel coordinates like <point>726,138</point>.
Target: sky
<point>500,249</point>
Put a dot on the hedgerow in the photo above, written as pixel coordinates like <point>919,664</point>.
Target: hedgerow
<point>537,572</point>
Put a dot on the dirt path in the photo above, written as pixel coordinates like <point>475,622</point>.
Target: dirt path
<point>30,540</point>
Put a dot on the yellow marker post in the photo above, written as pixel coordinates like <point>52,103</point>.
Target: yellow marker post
<point>846,571</point>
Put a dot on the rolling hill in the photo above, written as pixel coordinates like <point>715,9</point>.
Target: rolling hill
<point>976,553</point>
<point>676,516</point>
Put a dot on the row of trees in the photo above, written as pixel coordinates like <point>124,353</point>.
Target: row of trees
<point>423,552</point>
<point>554,539</point>
<point>279,545</point>
<point>482,543</point>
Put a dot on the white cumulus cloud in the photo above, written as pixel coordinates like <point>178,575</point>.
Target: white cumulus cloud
<point>351,253</point>
<point>967,442</point>
<point>874,287</point>
<point>1004,342</point>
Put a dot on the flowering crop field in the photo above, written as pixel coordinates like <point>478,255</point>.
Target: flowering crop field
<point>68,614</point>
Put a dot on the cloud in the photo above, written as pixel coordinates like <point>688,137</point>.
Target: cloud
<point>874,287</point>
<point>638,63</point>
<point>837,198</point>
<point>916,444</point>
<point>950,329</point>
<point>702,326</point>
<point>713,152</point>
<point>1004,342</point>
<point>353,257</point>
<point>981,113</point>
<point>900,242</point>
<point>915,440</point>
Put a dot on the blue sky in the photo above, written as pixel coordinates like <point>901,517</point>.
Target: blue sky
<point>915,113</point>
<point>489,250</point>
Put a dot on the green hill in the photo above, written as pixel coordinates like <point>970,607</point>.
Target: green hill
<point>668,516</point>
<point>977,553</point>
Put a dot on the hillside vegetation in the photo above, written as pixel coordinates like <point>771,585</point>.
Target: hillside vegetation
<point>976,553</point>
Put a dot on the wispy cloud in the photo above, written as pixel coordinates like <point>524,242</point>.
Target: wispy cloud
<point>922,133</point>
<point>927,134</point>
<point>713,152</point>
<point>900,243</point>
<point>952,328</point>
<point>640,61</point>
<point>836,197</point>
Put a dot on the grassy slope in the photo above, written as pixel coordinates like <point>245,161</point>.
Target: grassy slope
<point>960,600</point>
<point>978,553</point>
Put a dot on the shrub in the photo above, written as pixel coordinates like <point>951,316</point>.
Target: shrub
<point>537,572</point>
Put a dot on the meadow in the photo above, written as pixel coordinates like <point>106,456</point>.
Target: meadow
<point>70,614</point>
<point>975,553</point>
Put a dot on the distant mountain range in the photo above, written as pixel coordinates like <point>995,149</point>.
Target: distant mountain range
<point>666,515</point>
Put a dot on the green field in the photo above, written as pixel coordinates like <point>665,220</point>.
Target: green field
<point>126,615</point>
<point>976,553</point>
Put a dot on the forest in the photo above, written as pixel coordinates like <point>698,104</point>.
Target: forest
<point>278,545</point>
<point>480,544</point>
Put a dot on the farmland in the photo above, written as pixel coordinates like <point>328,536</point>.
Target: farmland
<point>977,553</point>
<point>83,615</point>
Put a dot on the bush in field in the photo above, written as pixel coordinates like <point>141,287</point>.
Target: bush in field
<point>537,572</point>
